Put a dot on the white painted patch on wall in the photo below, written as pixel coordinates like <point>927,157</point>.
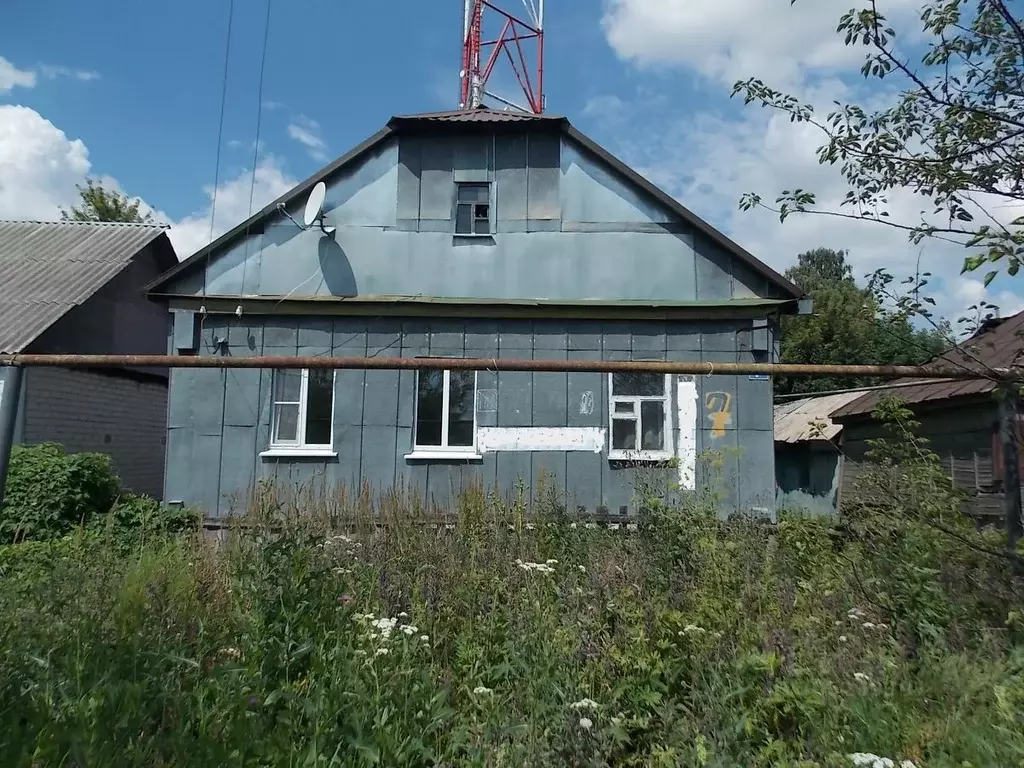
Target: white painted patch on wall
<point>1,391</point>
<point>541,439</point>
<point>686,450</point>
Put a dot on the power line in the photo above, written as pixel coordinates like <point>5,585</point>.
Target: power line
<point>220,126</point>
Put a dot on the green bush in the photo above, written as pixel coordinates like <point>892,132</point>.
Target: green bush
<point>135,514</point>
<point>49,491</point>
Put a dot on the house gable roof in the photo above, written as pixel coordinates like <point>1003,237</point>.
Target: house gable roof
<point>999,344</point>
<point>47,268</point>
<point>491,118</point>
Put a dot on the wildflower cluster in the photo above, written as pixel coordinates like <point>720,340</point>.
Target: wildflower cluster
<point>868,760</point>
<point>380,630</point>
<point>545,567</point>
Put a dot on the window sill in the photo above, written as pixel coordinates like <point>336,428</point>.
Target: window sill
<point>644,456</point>
<point>299,453</point>
<point>428,455</point>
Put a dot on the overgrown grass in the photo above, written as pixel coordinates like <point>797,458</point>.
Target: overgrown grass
<point>689,642</point>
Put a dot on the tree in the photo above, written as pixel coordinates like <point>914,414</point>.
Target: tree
<point>99,204</point>
<point>849,326</point>
<point>954,134</point>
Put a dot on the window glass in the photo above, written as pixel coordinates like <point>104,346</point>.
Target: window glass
<point>461,401</point>
<point>638,384</point>
<point>652,420</point>
<point>429,407</point>
<point>624,434</point>
<point>319,404</point>
<point>286,423</point>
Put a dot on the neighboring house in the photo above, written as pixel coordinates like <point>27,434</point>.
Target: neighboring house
<point>77,288</point>
<point>959,418</point>
<point>808,453</point>
<point>474,234</point>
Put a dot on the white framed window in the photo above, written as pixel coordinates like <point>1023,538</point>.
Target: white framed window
<point>472,208</point>
<point>445,424</point>
<point>639,415</point>
<point>302,419</point>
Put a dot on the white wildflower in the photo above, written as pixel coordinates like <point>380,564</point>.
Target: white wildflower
<point>861,677</point>
<point>359,652</point>
<point>230,653</point>
<point>551,562</point>
<point>842,638</point>
<point>381,652</point>
<point>839,622</point>
<point>425,638</point>
<point>868,760</point>
<point>586,723</point>
<point>689,628</point>
<point>868,625</point>
<point>572,526</point>
<point>854,613</point>
<point>482,690</point>
<point>410,630</point>
<point>403,615</point>
<point>883,627</point>
<point>584,704</point>
<point>582,568</point>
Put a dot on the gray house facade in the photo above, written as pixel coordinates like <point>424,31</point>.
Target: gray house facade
<point>474,234</point>
<point>77,288</point>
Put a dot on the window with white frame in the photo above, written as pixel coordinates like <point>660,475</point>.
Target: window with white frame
<point>303,409</point>
<point>472,208</point>
<point>639,412</point>
<point>445,411</point>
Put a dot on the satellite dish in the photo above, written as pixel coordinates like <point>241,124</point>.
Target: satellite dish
<point>314,204</point>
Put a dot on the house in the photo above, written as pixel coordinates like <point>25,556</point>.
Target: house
<point>959,418</point>
<point>808,452</point>
<point>477,234</point>
<point>77,288</point>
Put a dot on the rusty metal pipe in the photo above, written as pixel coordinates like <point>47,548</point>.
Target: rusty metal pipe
<point>500,364</point>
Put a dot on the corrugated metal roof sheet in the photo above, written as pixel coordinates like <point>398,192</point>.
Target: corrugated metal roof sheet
<point>999,345</point>
<point>808,419</point>
<point>477,116</point>
<point>47,268</point>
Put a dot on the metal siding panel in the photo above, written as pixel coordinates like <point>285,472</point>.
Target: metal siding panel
<point>348,444</point>
<point>548,469</point>
<point>237,469</point>
<point>617,337</point>
<point>349,392</point>
<point>544,175</point>
<point>447,337</point>
<point>378,457</point>
<point>549,334</point>
<point>515,393</point>
<point>408,181</point>
<point>415,474</point>
<point>754,400</point>
<point>315,332</point>
<point>683,337</point>
<point>380,407</point>
<point>756,472</point>
<point>515,334</point>
<point>444,483</point>
<point>179,396</point>
<point>245,336</point>
<point>482,336</point>
<point>281,336</point>
<point>415,338</point>
<point>721,336</point>
<point>185,331</point>
<point>583,481</point>
<point>204,472</point>
<point>406,398</point>
<point>242,397</point>
<point>714,271</point>
<point>208,401</point>
<point>436,183</point>
<point>550,392</point>
<point>587,397</point>
<point>384,338</point>
<point>486,382</point>
<point>511,468</point>
<point>584,335</point>
<point>649,338</point>
<point>618,481</point>
<point>177,483</point>
<point>472,158</point>
<point>349,334</point>
<point>510,174</point>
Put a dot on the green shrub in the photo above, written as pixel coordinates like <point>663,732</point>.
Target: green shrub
<point>50,491</point>
<point>143,515</point>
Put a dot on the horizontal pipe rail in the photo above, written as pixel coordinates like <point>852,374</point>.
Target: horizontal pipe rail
<point>500,364</point>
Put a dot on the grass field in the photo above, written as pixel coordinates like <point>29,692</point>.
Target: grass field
<point>510,640</point>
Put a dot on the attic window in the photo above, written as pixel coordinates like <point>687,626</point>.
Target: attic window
<point>473,208</point>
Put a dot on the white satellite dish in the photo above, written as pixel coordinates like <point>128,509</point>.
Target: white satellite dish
<point>315,204</point>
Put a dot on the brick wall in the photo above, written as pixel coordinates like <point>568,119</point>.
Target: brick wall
<point>123,417</point>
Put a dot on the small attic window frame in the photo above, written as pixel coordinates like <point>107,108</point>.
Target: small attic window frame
<point>473,217</point>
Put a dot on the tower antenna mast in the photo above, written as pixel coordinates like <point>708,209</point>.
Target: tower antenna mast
<point>493,35</point>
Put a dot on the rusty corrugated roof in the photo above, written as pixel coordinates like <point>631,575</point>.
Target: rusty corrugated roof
<point>998,345</point>
<point>808,419</point>
<point>476,116</point>
<point>47,268</point>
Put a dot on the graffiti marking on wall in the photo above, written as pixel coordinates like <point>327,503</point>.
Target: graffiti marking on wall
<point>487,401</point>
<point>719,405</point>
<point>586,403</point>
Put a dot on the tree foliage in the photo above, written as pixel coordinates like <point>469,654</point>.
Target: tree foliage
<point>953,134</point>
<point>99,204</point>
<point>849,326</point>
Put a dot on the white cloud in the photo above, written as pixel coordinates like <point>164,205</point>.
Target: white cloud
<point>40,166</point>
<point>51,71</point>
<point>726,40</point>
<point>11,77</point>
<point>232,205</point>
<point>306,131</point>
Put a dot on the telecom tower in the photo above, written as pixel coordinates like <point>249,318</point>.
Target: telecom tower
<point>492,34</point>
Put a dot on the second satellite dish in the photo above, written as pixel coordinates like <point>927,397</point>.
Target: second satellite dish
<point>315,204</point>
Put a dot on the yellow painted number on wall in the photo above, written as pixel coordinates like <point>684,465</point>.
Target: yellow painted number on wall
<point>719,405</point>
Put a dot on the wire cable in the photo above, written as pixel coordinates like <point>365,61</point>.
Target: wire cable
<point>220,125</point>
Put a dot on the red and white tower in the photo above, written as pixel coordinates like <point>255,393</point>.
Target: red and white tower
<point>492,35</point>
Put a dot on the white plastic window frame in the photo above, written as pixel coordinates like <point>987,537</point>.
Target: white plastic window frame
<point>444,451</point>
<point>299,446</point>
<point>618,454</point>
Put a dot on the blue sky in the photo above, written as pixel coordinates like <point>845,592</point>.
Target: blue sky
<point>130,92</point>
